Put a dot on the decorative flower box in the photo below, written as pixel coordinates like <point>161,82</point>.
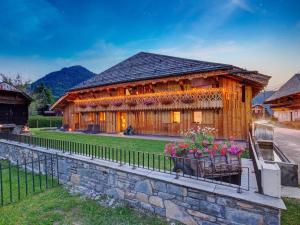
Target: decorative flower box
<point>149,101</point>
<point>200,155</point>
<point>117,103</point>
<point>166,100</point>
<point>93,105</point>
<point>104,104</point>
<point>187,99</point>
<point>131,102</point>
<point>83,106</point>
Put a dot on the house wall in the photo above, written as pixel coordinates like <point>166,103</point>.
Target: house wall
<point>287,115</point>
<point>231,119</point>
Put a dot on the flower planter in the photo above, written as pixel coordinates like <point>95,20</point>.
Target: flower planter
<point>166,100</point>
<point>104,104</point>
<point>93,105</point>
<point>83,106</point>
<point>234,161</point>
<point>202,156</point>
<point>149,101</point>
<point>117,103</point>
<point>187,99</point>
<point>220,163</point>
<point>131,103</point>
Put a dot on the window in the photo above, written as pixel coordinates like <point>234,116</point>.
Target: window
<point>176,117</point>
<point>243,93</point>
<point>90,118</point>
<point>101,116</point>
<point>197,117</point>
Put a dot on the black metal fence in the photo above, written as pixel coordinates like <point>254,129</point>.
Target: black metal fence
<point>205,168</point>
<point>20,179</point>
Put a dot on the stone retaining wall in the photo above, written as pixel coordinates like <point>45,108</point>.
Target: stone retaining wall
<point>184,200</point>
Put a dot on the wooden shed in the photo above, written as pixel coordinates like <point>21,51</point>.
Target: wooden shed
<point>164,95</point>
<point>13,106</point>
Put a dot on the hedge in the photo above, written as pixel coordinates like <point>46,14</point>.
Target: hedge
<point>44,121</point>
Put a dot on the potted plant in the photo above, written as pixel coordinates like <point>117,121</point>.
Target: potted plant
<point>233,153</point>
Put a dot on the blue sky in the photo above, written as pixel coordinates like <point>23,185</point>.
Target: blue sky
<point>39,36</point>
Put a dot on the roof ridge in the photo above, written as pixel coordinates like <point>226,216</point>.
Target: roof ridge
<point>290,87</point>
<point>145,65</point>
<point>176,57</point>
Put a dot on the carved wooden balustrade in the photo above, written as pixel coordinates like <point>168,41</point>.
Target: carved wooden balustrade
<point>208,98</point>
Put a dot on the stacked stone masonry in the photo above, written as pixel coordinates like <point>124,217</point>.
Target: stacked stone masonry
<point>138,189</point>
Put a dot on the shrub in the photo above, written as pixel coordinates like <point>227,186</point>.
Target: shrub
<point>44,121</point>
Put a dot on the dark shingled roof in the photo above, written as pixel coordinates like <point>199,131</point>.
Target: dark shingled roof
<point>4,86</point>
<point>292,86</point>
<point>143,66</point>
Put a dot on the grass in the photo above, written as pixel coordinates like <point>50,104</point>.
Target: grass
<point>56,206</point>
<point>29,183</point>
<point>291,216</point>
<point>160,162</point>
<point>144,145</point>
<point>132,144</point>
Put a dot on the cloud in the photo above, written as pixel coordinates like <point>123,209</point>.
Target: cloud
<point>241,4</point>
<point>200,49</point>
<point>216,14</point>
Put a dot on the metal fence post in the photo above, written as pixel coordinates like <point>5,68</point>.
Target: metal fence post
<point>1,184</point>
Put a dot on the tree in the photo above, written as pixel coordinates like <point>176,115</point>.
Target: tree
<point>43,98</point>
<point>16,81</point>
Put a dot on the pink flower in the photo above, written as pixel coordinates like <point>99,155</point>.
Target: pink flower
<point>205,142</point>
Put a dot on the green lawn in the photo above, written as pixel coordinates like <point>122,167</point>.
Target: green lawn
<point>291,216</point>
<point>143,145</point>
<point>29,183</point>
<point>57,206</point>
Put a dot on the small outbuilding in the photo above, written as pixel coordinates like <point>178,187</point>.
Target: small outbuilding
<point>286,101</point>
<point>14,105</point>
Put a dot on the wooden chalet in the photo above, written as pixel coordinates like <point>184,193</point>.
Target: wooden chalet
<point>13,106</point>
<point>286,101</point>
<point>164,95</point>
<point>258,110</point>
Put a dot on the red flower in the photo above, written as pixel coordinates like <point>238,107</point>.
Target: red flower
<point>223,151</point>
<point>183,146</point>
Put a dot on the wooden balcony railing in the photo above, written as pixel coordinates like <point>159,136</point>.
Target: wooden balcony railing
<point>209,98</point>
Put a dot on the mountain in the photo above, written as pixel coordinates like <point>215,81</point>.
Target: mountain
<point>261,97</point>
<point>61,81</point>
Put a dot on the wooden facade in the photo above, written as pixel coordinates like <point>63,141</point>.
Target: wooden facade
<point>165,106</point>
<point>13,105</point>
